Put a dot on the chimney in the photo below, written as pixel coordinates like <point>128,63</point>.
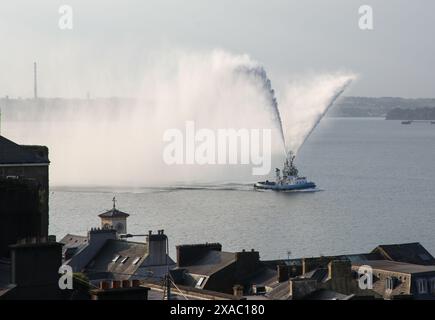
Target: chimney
<point>283,273</point>
<point>339,269</point>
<point>238,290</point>
<point>188,253</point>
<point>44,259</point>
<point>309,264</point>
<point>157,247</point>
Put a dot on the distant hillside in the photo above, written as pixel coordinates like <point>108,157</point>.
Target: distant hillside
<point>411,114</point>
<point>376,107</point>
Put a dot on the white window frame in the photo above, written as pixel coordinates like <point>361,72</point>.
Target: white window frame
<point>199,282</point>
<point>389,284</point>
<point>422,286</point>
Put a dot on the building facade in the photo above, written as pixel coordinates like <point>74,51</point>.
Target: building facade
<point>24,193</point>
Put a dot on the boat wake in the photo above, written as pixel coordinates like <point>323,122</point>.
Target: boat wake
<point>291,191</point>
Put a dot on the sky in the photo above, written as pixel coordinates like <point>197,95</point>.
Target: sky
<point>113,43</point>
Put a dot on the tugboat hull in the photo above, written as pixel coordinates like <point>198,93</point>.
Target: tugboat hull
<point>284,187</point>
<point>289,181</point>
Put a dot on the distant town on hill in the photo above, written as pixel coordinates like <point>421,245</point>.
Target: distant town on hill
<point>411,114</point>
<point>387,107</point>
<point>29,109</point>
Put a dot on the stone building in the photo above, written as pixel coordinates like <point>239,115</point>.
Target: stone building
<point>400,280</point>
<point>413,253</point>
<point>114,219</point>
<point>24,193</point>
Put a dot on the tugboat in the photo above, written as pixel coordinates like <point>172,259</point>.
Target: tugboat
<point>290,180</point>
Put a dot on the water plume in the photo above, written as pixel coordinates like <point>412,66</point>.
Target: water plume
<point>258,72</point>
<point>118,142</point>
<point>304,102</point>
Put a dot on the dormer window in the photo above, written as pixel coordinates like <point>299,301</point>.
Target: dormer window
<point>200,282</point>
<point>124,260</point>
<point>116,258</point>
<point>422,286</point>
<point>432,283</point>
<point>389,284</point>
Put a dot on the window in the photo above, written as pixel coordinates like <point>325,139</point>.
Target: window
<point>389,284</point>
<point>124,260</point>
<point>136,260</point>
<point>422,286</point>
<point>199,283</point>
<point>432,283</point>
<point>116,258</point>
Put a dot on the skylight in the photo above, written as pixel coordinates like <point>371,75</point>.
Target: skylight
<point>116,258</point>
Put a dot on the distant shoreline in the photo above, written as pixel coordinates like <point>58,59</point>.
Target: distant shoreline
<point>346,107</point>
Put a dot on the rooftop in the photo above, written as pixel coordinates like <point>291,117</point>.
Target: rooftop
<point>211,262</point>
<point>395,266</point>
<point>12,153</point>
<point>406,252</point>
<point>113,213</point>
<point>119,258</point>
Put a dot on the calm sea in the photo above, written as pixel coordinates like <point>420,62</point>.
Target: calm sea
<point>378,186</point>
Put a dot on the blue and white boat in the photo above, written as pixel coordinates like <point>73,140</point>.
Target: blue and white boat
<point>290,180</point>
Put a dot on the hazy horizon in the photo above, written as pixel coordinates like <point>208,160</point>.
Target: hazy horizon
<point>113,45</point>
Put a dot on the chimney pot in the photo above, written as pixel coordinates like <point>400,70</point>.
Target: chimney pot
<point>135,283</point>
<point>238,290</point>
<point>116,284</point>
<point>104,285</point>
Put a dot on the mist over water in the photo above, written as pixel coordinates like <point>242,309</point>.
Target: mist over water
<point>101,142</point>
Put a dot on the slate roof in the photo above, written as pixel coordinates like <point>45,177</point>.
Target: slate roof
<point>72,240</point>
<point>72,244</point>
<point>280,292</point>
<point>265,277</point>
<point>113,213</point>
<point>319,274</point>
<point>400,267</point>
<point>324,294</point>
<point>408,252</point>
<point>211,262</point>
<point>103,266</point>
<point>12,153</point>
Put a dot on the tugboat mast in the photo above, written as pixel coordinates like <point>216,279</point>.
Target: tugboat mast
<point>290,169</point>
